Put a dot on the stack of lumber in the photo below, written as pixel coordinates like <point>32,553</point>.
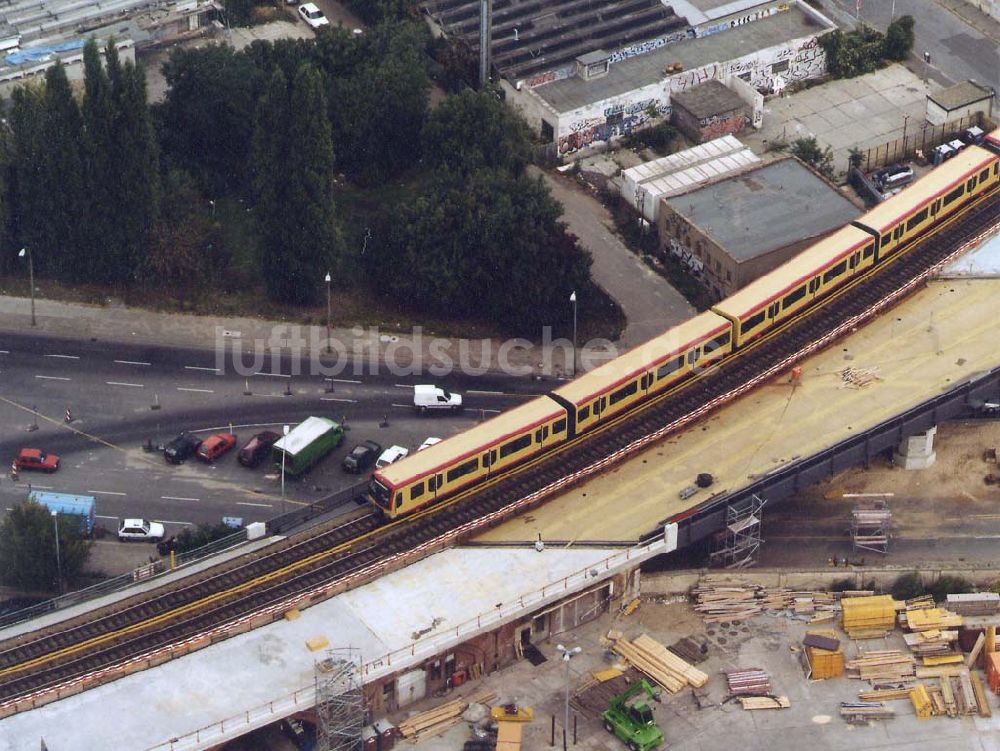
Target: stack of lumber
<point>862,711</point>
<point>921,702</point>
<point>726,603</point>
<point>920,603</point>
<point>981,603</point>
<point>826,658</point>
<point>887,694</point>
<point>889,665</point>
<point>981,703</point>
<point>930,619</point>
<point>868,616</point>
<point>718,600</point>
<point>765,702</point>
<point>509,736</point>
<point>932,643</point>
<point>749,681</point>
<point>663,666</point>
<point>436,721</point>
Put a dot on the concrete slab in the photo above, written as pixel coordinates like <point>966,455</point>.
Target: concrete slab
<point>982,262</point>
<point>948,332</point>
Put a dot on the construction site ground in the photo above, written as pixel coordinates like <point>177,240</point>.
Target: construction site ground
<point>769,642</point>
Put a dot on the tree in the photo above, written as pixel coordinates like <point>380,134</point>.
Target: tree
<point>475,129</point>
<point>810,152</point>
<point>899,39</point>
<point>28,548</point>
<point>183,248</point>
<point>299,233</point>
<point>206,122</point>
<point>29,197</point>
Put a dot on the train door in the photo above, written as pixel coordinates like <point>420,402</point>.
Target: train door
<point>813,285</point>
<point>489,459</point>
<point>599,405</point>
<point>434,483</point>
<point>855,260</point>
<point>646,381</point>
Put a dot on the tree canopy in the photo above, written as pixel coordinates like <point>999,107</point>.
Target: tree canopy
<point>28,548</point>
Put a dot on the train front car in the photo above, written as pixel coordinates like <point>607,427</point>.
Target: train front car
<point>645,371</point>
<point>945,190</point>
<point>469,458</point>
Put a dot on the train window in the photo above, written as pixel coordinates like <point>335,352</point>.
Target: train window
<point>834,272</point>
<point>720,341</point>
<point>793,298</point>
<point>559,426</point>
<point>416,491</point>
<point>583,414</point>
<point>669,367</point>
<point>463,469</point>
<point>916,219</point>
<point>984,175</point>
<point>954,195</point>
<point>886,239</point>
<point>693,355</point>
<point>996,168</point>
<point>752,322</point>
<point>869,251</point>
<point>399,500</point>
<point>516,445</point>
<point>624,391</point>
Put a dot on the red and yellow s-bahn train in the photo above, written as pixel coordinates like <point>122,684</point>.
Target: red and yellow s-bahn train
<point>592,399</point>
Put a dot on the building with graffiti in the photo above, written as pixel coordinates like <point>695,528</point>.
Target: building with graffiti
<point>752,49</point>
<point>709,110</point>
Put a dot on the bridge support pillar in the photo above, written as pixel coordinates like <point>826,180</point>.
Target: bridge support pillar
<point>916,452</point>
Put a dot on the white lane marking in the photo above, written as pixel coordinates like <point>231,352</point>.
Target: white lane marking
<point>279,396</point>
<point>273,375</point>
<point>334,399</point>
<point>199,391</point>
<point>341,380</point>
<point>178,498</point>
<point>105,517</point>
<point>40,487</point>
<point>403,406</point>
<point>66,357</point>
<point>167,521</point>
<point>4,352</point>
<point>403,386</point>
<point>53,378</point>
<point>494,411</point>
<point>130,385</point>
<point>132,362</point>
<point>258,505</point>
<point>491,393</point>
<point>195,367</point>
<point>104,492</point>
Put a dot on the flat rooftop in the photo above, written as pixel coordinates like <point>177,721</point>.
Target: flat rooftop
<point>635,72</point>
<point>756,212</point>
<point>409,614</point>
<point>938,337</point>
<point>707,99</point>
<point>984,261</point>
<point>959,95</point>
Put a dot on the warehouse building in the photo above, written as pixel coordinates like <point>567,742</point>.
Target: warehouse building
<point>956,102</point>
<point>708,111</point>
<point>735,230</point>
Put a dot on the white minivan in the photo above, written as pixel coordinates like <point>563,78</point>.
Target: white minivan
<point>431,397</point>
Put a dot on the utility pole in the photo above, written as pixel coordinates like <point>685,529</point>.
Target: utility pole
<point>31,280</point>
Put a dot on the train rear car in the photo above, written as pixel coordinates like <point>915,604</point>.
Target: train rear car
<point>942,192</point>
<point>645,371</point>
<point>812,274</point>
<point>468,458</point>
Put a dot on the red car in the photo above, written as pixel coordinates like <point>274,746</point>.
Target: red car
<point>36,459</point>
<point>215,446</point>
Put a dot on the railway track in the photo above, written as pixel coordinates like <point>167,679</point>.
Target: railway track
<point>168,616</point>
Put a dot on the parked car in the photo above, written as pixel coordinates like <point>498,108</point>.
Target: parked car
<point>313,15</point>
<point>140,529</point>
<point>36,459</point>
<point>428,443</point>
<point>215,446</point>
<point>257,449</point>
<point>361,457</point>
<point>391,455</point>
<point>427,397</point>
<point>181,448</point>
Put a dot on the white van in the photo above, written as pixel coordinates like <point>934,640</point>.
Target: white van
<point>431,397</point>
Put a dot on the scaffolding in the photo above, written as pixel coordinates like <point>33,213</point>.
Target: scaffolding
<point>870,526</point>
<point>738,544</point>
<point>340,701</point>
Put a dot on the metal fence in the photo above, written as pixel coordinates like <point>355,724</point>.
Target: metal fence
<point>922,138</point>
<point>309,512</point>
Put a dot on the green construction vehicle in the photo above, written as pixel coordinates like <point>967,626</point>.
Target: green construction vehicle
<point>630,717</point>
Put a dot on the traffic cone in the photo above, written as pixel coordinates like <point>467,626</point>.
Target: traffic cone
<point>69,415</point>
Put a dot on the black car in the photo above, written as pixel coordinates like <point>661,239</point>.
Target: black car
<point>257,448</point>
<point>181,448</point>
<point>361,457</point>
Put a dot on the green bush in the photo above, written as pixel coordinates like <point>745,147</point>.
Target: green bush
<point>908,586</point>
<point>191,538</point>
<point>842,585</point>
<point>949,585</point>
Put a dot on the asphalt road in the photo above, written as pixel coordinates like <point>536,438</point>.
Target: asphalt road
<point>111,390</point>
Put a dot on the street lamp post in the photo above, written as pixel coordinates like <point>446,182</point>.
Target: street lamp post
<point>328,347</point>
<point>567,655</point>
<point>31,280</point>
<point>55,520</point>
<point>284,458</point>
<point>212,204</point>
<point>572,299</point>
<point>927,65</point>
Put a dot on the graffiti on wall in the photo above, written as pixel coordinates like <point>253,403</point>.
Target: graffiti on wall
<point>794,62</point>
<point>618,119</point>
<point>732,22</point>
<point>548,76</point>
<point>652,44</point>
<point>717,126</point>
<point>695,76</point>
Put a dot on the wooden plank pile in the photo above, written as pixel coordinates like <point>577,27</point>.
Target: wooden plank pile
<point>882,666</point>
<point>932,643</point>
<point>748,682</point>
<point>981,603</point>
<point>887,694</point>
<point>921,701</point>
<point>663,666</point>
<point>860,712</point>
<point>920,603</point>
<point>765,702</point>
<point>825,655</point>
<point>718,601</point>
<point>438,720</point>
<point>868,617</point>
<point>930,619</point>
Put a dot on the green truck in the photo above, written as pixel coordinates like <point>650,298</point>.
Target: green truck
<point>306,444</point>
<point>629,716</point>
